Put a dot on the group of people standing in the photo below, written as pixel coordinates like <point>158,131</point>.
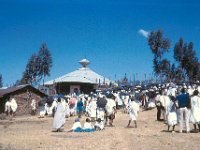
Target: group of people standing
<point>179,105</point>
<point>11,107</point>
<point>96,108</point>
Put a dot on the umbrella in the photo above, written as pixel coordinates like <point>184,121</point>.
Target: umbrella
<point>101,102</point>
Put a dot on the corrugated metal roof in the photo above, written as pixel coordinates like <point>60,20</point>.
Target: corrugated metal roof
<point>15,88</point>
<point>81,75</point>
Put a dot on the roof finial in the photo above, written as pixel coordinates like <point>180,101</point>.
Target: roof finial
<point>84,62</point>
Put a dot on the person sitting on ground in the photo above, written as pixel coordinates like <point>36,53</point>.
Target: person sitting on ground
<point>76,126</point>
<point>88,126</point>
<point>99,125</point>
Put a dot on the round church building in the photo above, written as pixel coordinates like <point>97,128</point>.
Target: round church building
<point>82,80</point>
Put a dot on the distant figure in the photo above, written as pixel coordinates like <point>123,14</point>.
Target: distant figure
<point>88,126</point>
<point>33,107</point>
<point>80,108</point>
<point>110,110</point>
<point>8,107</point>
<point>133,109</point>
<point>165,101</point>
<point>195,110</point>
<point>76,126</point>
<point>11,107</point>
<point>159,106</point>
<point>99,125</point>
<point>172,119</point>
<point>59,117</point>
<point>43,109</point>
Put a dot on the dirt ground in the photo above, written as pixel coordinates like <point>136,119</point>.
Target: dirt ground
<point>33,133</point>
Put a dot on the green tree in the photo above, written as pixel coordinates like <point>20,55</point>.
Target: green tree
<point>31,73</point>
<point>45,60</point>
<point>159,45</point>
<point>1,81</point>
<point>185,56</point>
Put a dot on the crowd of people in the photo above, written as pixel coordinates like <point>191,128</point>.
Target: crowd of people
<point>177,105</point>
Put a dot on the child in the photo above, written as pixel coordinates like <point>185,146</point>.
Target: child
<point>99,125</point>
<point>76,126</point>
<point>88,126</point>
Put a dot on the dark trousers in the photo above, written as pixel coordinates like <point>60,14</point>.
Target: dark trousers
<point>159,110</point>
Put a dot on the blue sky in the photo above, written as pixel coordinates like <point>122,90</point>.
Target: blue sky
<point>104,31</point>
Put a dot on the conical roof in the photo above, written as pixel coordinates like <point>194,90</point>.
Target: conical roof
<point>81,75</point>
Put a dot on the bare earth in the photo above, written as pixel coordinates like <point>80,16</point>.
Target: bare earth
<point>33,133</point>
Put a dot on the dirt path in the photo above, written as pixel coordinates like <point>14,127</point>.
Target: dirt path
<point>33,133</point>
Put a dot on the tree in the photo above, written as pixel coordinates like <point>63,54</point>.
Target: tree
<point>31,73</point>
<point>45,60</point>
<point>185,56</point>
<point>1,81</point>
<point>159,45</point>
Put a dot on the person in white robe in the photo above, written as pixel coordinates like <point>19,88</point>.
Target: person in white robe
<point>33,107</point>
<point>118,100</point>
<point>76,125</point>
<point>8,107</point>
<point>59,117</point>
<point>99,125</point>
<point>110,110</point>
<point>133,109</point>
<point>92,109</point>
<point>42,110</point>
<point>14,106</point>
<point>165,101</point>
<point>172,118</point>
<point>195,110</point>
<point>87,124</point>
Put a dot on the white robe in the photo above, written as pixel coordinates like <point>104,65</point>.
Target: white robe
<point>92,108</point>
<point>59,117</point>
<point>76,125</point>
<point>172,118</point>
<point>87,125</point>
<point>133,109</point>
<point>195,109</point>
<point>7,107</point>
<point>110,106</point>
<point>13,105</point>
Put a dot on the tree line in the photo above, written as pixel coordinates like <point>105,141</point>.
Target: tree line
<point>186,66</point>
<point>38,67</point>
